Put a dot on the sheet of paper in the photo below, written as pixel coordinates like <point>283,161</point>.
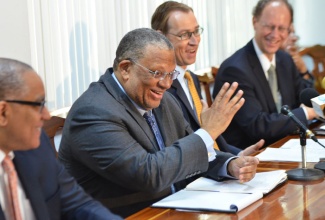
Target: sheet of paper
<point>263,182</point>
<point>208,201</point>
<point>291,151</point>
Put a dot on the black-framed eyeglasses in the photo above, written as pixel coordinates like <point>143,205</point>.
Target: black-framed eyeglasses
<point>188,35</point>
<point>281,29</point>
<point>40,104</point>
<point>158,74</point>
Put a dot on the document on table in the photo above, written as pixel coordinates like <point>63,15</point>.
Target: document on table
<point>263,182</point>
<point>228,196</point>
<point>208,201</point>
<point>291,151</point>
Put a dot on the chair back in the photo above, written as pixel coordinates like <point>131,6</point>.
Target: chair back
<point>51,127</point>
<point>317,53</point>
<point>206,78</point>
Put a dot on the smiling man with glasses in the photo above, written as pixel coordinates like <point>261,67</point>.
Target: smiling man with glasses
<point>34,185</point>
<point>125,139</point>
<point>268,77</point>
<point>178,23</point>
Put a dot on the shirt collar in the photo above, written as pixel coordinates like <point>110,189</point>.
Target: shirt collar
<point>141,110</point>
<point>262,58</point>
<point>2,155</point>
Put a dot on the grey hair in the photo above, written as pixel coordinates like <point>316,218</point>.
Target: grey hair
<point>134,44</point>
<point>11,78</point>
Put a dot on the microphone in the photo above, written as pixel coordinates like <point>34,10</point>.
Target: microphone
<point>286,111</point>
<point>311,98</point>
<point>306,95</point>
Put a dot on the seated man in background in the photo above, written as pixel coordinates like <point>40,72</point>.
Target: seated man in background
<point>268,77</point>
<point>125,139</point>
<point>42,189</point>
<point>290,46</point>
<point>178,23</point>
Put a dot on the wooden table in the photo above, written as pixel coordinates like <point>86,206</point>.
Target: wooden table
<point>292,200</point>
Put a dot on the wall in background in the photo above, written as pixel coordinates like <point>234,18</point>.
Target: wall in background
<point>70,44</point>
<point>15,35</point>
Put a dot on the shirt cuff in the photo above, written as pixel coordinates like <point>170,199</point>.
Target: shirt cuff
<point>305,111</point>
<point>208,141</point>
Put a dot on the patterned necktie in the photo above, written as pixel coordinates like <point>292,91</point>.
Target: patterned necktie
<point>153,125</point>
<point>9,168</point>
<point>196,99</point>
<point>274,86</point>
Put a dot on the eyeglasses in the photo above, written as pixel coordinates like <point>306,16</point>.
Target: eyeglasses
<point>281,29</point>
<point>158,74</point>
<point>41,104</point>
<point>188,35</point>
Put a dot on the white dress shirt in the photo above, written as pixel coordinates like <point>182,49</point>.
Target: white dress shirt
<point>24,203</point>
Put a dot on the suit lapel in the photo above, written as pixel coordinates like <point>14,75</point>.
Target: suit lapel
<point>29,181</point>
<point>2,215</point>
<point>183,98</point>
<point>114,89</point>
<point>260,77</point>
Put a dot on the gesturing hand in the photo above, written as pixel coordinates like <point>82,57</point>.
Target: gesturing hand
<point>243,168</point>
<point>216,119</point>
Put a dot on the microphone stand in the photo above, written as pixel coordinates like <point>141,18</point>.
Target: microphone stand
<point>304,173</point>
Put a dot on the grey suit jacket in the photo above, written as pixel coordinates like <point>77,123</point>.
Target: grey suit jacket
<point>109,148</point>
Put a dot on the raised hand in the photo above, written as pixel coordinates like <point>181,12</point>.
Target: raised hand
<point>216,119</point>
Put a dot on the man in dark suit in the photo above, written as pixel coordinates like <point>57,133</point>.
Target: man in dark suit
<point>253,68</point>
<point>45,190</point>
<point>127,163</point>
<point>178,23</point>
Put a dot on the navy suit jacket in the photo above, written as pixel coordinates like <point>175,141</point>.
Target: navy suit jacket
<point>52,192</point>
<point>190,116</point>
<point>258,118</point>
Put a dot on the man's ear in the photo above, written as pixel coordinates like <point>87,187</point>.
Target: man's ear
<point>124,68</point>
<point>3,113</point>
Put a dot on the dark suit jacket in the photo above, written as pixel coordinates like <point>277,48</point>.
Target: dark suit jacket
<point>258,118</point>
<point>110,149</point>
<point>52,192</point>
<point>190,116</point>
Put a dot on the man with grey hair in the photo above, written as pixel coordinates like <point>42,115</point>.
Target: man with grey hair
<point>34,185</point>
<point>125,139</point>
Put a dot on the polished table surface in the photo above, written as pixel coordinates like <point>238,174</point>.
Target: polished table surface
<point>292,200</point>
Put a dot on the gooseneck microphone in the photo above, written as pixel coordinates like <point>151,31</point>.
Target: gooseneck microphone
<point>286,111</point>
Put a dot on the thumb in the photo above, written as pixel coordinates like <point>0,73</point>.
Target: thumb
<point>204,105</point>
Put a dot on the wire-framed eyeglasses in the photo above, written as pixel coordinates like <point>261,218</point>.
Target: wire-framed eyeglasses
<point>40,104</point>
<point>281,29</point>
<point>158,74</point>
<point>188,35</point>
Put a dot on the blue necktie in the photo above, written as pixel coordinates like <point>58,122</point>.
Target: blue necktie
<point>154,128</point>
<point>153,125</point>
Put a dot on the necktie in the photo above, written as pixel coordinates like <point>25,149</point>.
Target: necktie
<point>150,119</point>
<point>9,168</point>
<point>274,86</point>
<point>153,125</point>
<point>196,99</point>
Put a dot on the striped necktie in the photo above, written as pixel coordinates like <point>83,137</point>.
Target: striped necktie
<point>196,99</point>
<point>9,169</point>
<point>154,128</point>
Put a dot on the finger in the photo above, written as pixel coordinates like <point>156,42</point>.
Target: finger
<point>221,93</point>
<point>204,105</point>
<point>230,94</point>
